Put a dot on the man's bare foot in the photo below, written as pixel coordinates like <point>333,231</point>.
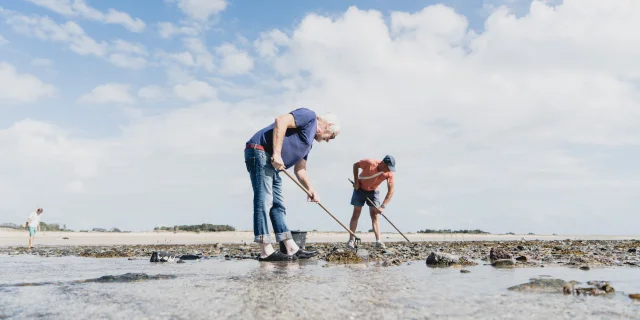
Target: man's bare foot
<point>265,250</point>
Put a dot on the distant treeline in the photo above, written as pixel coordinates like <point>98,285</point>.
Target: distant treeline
<point>476,231</point>
<point>56,227</point>
<point>11,226</point>
<point>52,227</point>
<point>205,227</point>
<point>43,226</point>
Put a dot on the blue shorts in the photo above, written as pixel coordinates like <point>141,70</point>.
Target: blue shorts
<point>32,231</point>
<point>358,198</point>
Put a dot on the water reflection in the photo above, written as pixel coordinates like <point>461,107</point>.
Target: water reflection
<point>249,289</point>
<point>280,267</point>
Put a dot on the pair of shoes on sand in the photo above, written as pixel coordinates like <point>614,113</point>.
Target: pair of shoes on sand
<point>279,256</point>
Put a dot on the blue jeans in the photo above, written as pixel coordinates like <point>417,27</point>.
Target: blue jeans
<point>267,197</point>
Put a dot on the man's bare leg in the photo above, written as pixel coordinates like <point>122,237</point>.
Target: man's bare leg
<point>374,222</point>
<point>30,242</point>
<point>354,220</point>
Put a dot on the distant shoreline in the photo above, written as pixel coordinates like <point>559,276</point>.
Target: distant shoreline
<point>11,237</point>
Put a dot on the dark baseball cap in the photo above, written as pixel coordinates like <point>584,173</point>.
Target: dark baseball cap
<point>390,162</point>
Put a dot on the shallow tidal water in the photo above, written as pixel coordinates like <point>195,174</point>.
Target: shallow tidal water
<point>247,289</point>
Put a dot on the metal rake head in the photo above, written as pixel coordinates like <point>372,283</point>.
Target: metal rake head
<point>356,242</point>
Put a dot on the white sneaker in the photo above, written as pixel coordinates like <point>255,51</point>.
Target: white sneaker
<point>380,245</point>
<point>350,244</point>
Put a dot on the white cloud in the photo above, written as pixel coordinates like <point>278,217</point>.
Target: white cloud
<point>108,93</point>
<point>124,19</point>
<point>201,10</point>
<point>128,55</point>
<point>79,8</point>
<point>128,47</point>
<point>184,58</point>
<point>152,93</point>
<point>525,127</point>
<point>3,40</point>
<point>41,62</point>
<point>46,29</point>
<point>268,43</point>
<point>201,15</point>
<point>15,87</point>
<point>234,61</point>
<point>203,58</point>
<point>127,62</point>
<point>168,30</point>
<point>195,91</point>
<point>120,53</point>
<point>182,66</point>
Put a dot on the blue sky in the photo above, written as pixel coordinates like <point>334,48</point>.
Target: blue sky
<point>134,113</point>
<point>240,18</point>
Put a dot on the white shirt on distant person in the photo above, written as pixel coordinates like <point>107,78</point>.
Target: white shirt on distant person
<point>35,219</point>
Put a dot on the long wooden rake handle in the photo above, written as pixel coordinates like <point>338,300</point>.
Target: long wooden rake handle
<point>320,204</point>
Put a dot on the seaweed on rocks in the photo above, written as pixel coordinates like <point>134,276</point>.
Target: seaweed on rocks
<point>343,256</point>
<point>539,285</point>
<point>122,278</point>
<point>128,277</point>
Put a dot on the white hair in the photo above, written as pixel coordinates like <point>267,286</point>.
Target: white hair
<point>333,124</point>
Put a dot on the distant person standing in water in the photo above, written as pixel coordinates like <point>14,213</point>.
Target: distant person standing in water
<point>33,223</point>
<point>283,144</point>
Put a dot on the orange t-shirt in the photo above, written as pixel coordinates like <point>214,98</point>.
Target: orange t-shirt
<point>370,177</point>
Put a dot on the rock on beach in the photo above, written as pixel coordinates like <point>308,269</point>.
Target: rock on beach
<point>439,259</point>
<point>504,263</point>
<point>498,253</point>
<point>546,285</point>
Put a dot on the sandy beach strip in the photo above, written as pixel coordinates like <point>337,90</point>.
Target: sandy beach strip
<point>10,237</point>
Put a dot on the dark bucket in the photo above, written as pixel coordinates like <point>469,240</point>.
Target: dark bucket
<point>299,237</point>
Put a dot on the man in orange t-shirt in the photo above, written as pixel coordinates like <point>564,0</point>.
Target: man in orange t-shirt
<point>367,185</point>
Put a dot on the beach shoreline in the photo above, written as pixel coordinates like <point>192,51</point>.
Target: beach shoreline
<point>581,251</point>
<point>11,237</point>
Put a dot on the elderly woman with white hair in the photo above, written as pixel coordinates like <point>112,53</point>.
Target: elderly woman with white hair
<point>279,146</point>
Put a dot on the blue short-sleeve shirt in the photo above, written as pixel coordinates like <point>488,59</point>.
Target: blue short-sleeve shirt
<point>297,141</point>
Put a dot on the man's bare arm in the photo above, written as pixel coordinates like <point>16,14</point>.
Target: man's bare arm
<point>390,191</point>
<point>356,182</point>
<point>300,170</point>
<point>281,124</point>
